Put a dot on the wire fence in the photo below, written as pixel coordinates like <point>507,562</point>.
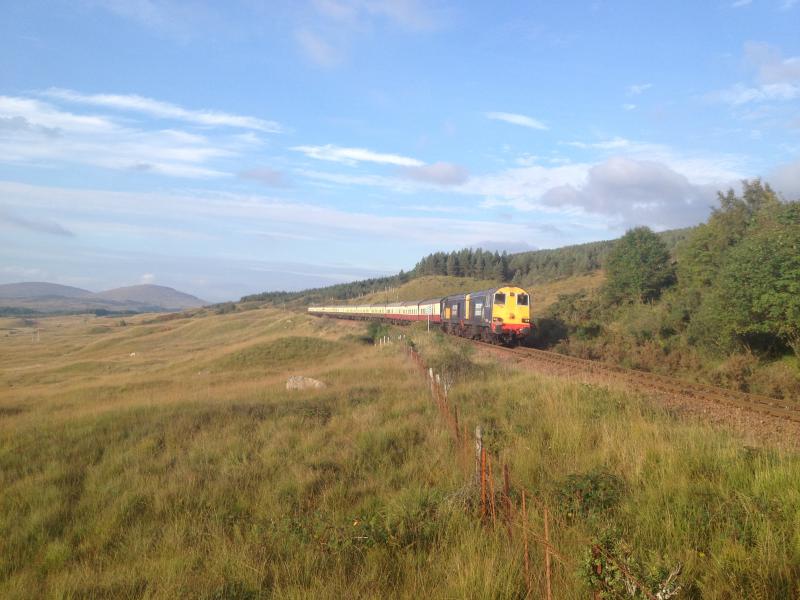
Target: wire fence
<point>527,519</point>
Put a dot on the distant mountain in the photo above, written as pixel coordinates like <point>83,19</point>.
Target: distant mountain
<point>39,289</point>
<point>53,298</point>
<point>152,295</point>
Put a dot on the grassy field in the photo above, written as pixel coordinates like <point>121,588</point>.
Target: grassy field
<point>165,458</point>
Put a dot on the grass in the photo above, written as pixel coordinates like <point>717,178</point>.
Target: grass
<point>189,470</point>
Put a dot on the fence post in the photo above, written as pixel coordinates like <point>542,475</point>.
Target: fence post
<point>547,552</point>
<point>507,498</point>
<point>483,483</point>
<point>491,491</point>
<point>598,569</point>
<point>478,449</point>
<point>525,538</point>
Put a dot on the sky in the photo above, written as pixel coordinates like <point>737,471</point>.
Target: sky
<point>227,148</point>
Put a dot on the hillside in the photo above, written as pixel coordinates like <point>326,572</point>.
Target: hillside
<point>39,289</point>
<point>152,295</point>
<point>38,297</point>
<point>475,267</point>
<point>422,288</point>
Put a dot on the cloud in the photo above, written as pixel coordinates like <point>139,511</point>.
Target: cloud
<point>628,106</point>
<point>36,225</point>
<point>267,176</point>
<point>440,173</point>
<point>147,279</point>
<point>319,51</point>
<point>637,88</point>
<point>515,119</point>
<point>741,3</point>
<point>776,78</point>
<point>785,179</point>
<point>740,94</point>
<point>637,192</point>
<point>39,133</point>
<point>612,144</point>
<point>353,156</point>
<point>164,110</point>
<point>788,4</point>
<point>770,65</point>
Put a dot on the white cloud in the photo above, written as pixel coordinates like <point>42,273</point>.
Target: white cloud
<point>740,94</point>
<point>638,88</point>
<point>788,4</point>
<point>38,133</point>
<point>147,278</point>
<point>741,3</point>
<point>353,156</point>
<point>516,119</point>
<point>440,173</point>
<point>628,106</point>
<point>164,110</point>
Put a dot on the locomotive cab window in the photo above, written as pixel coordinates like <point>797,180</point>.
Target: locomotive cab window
<point>455,310</point>
<point>499,298</point>
<point>522,300</point>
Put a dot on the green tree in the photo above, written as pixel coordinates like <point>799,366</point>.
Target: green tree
<point>759,284</point>
<point>638,266</point>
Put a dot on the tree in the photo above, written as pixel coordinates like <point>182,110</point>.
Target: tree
<point>759,283</point>
<point>638,266</point>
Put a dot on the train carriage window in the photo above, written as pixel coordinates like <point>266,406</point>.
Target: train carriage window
<point>500,298</point>
<point>522,300</point>
<point>455,310</point>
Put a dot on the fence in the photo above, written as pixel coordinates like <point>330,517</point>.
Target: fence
<point>507,504</point>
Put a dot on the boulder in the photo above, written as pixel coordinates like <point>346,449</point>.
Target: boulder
<point>298,382</point>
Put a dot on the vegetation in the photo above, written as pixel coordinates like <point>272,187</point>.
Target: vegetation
<point>731,316</point>
<point>638,267</point>
<point>188,470</point>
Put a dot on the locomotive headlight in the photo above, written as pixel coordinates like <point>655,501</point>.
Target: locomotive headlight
<point>497,320</point>
<point>526,320</point>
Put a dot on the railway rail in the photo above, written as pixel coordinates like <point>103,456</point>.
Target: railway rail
<point>763,405</point>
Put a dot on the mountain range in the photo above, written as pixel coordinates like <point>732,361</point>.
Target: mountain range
<point>52,297</point>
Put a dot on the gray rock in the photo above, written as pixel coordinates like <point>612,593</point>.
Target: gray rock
<point>298,382</point>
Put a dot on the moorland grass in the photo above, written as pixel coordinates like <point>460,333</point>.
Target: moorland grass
<point>190,471</point>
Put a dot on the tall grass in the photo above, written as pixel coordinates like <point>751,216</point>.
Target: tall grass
<point>190,471</point>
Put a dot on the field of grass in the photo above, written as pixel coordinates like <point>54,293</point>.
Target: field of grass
<point>188,470</point>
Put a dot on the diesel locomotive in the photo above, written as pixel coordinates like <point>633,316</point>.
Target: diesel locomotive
<point>498,315</point>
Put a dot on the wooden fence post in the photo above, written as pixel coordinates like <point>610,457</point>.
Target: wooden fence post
<point>483,483</point>
<point>507,498</point>
<point>547,553</point>
<point>491,491</point>
<point>525,538</point>
<point>478,449</point>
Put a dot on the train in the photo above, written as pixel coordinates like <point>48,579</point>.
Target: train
<point>500,315</point>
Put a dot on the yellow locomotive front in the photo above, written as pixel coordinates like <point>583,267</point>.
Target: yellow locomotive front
<point>511,313</point>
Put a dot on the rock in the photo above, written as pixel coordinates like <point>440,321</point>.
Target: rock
<point>298,382</point>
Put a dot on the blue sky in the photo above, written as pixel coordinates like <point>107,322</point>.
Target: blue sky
<point>229,148</point>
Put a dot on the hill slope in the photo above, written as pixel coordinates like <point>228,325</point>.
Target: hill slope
<point>40,289</point>
<point>53,298</point>
<point>152,295</point>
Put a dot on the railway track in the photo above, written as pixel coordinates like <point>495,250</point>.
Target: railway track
<point>763,405</point>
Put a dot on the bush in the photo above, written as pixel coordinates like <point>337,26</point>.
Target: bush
<point>589,493</point>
